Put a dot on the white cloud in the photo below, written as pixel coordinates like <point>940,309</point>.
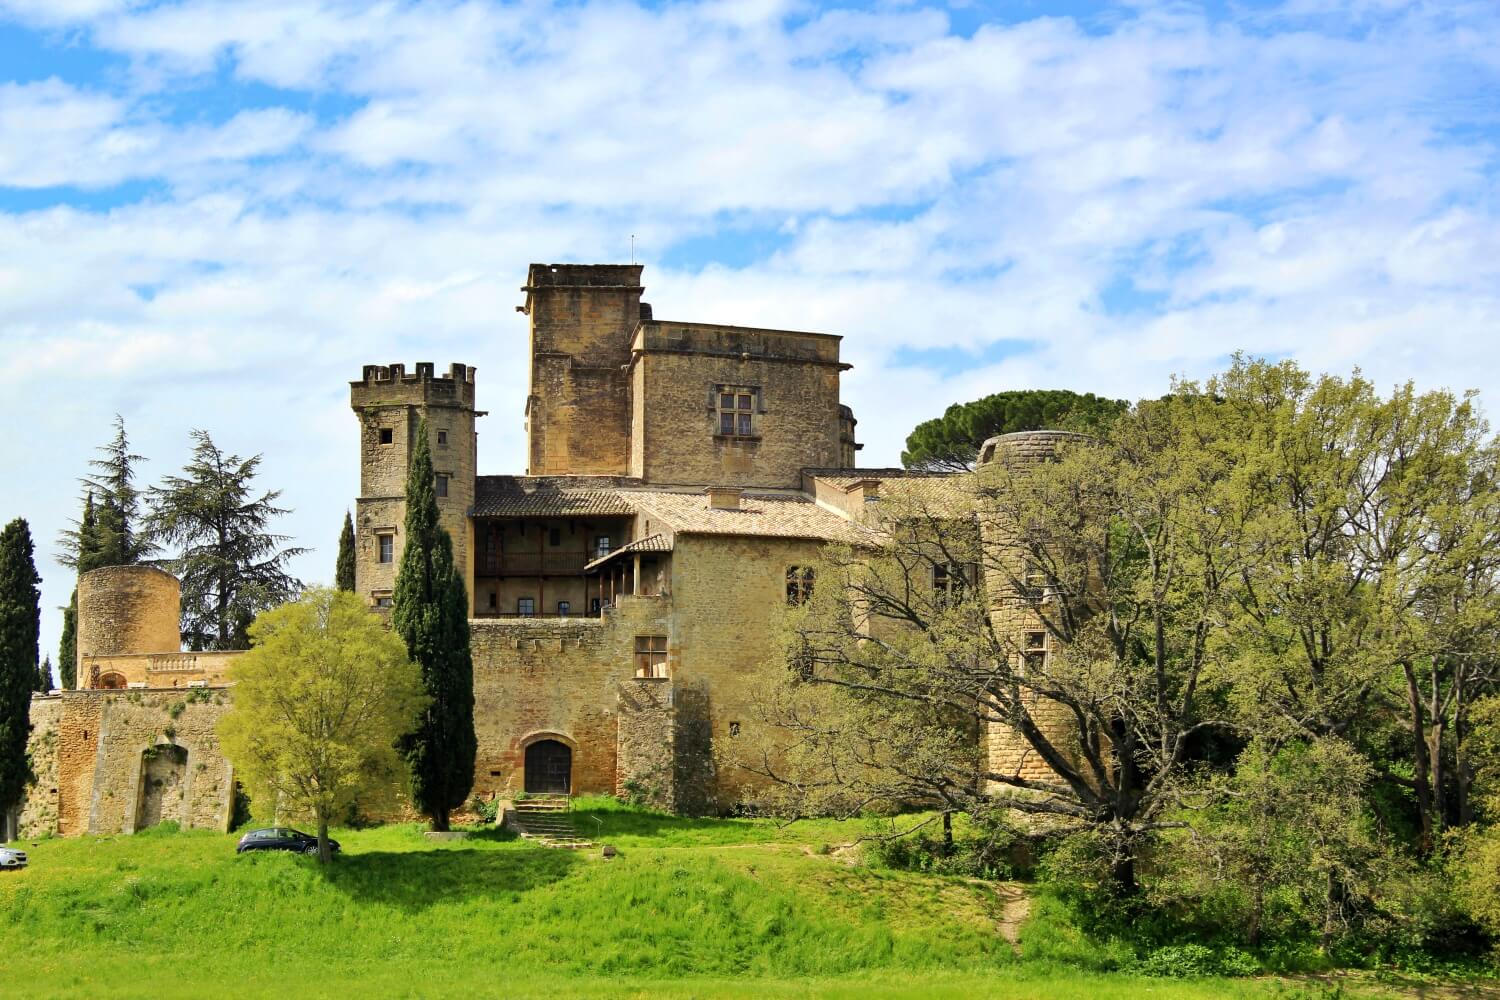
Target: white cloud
<point>1279,183</point>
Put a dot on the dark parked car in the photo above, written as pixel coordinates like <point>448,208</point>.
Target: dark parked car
<point>281,838</point>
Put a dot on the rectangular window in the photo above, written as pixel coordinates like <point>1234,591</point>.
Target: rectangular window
<point>387,547</point>
<point>601,546</point>
<point>594,605</point>
<point>1034,652</point>
<point>948,582</point>
<point>494,598</point>
<point>651,656</point>
<point>382,601</point>
<point>525,606</point>
<point>442,485</point>
<point>442,438</point>
<point>799,584</point>
<point>387,435</point>
<point>736,409</point>
<point>1034,585</point>
<point>554,537</point>
<point>563,608</point>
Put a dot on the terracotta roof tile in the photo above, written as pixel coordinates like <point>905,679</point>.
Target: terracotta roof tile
<point>546,496</point>
<point>651,543</point>
<point>762,515</point>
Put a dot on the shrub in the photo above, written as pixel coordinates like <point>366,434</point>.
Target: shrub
<point>1190,961</point>
<point>487,810</point>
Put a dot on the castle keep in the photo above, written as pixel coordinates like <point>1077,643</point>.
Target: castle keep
<point>682,480</point>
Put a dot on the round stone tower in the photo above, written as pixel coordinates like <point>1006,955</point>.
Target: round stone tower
<point>1015,616</point>
<point>127,609</point>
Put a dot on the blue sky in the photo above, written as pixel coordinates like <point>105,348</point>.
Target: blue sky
<point>213,212</point>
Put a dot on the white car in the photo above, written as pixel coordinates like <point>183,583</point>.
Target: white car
<point>12,858</point>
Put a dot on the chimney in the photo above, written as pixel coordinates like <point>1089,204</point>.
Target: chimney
<point>724,498</point>
<point>863,489</point>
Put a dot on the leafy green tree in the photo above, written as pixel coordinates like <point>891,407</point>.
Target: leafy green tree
<point>1287,837</point>
<point>230,565</point>
<point>320,701</point>
<point>1123,552</point>
<point>1376,600</point>
<point>20,623</point>
<point>950,443</point>
<point>344,568</point>
<point>430,610</point>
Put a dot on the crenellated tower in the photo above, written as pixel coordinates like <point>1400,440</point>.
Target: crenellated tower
<point>390,403</point>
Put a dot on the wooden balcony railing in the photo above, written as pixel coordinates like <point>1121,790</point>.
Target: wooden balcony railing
<point>532,563</point>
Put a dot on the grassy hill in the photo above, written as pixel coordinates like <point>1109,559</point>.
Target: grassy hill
<point>690,908</point>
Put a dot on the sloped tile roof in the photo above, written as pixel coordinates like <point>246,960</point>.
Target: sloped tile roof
<point>546,496</point>
<point>948,490</point>
<point>651,543</point>
<point>759,515</point>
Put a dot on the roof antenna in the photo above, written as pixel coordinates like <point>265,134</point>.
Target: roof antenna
<point>632,248</point>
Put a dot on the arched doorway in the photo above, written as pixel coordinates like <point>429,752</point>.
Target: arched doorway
<point>112,681</point>
<point>549,767</point>
<point>163,786</point>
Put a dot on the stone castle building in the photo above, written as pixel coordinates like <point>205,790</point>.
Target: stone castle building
<point>682,479</point>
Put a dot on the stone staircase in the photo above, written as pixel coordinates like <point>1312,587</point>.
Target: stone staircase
<point>548,819</point>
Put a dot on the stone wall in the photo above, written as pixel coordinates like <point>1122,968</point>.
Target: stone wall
<point>795,378</point>
<point>557,678</point>
<point>160,670</point>
<point>39,802</point>
<point>112,746</point>
<point>729,596</point>
<point>646,747</point>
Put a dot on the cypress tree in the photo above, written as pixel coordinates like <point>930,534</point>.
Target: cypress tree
<point>20,624</point>
<point>44,675</point>
<point>343,573</point>
<point>430,610</point>
<point>67,647</point>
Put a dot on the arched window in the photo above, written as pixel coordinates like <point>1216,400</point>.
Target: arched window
<point>799,584</point>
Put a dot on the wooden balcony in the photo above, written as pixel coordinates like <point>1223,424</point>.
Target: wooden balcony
<point>532,564</point>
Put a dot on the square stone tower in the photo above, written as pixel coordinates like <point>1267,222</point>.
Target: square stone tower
<point>390,403</point>
<point>578,410</point>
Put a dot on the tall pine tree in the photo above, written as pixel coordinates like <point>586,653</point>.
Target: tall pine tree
<point>230,565</point>
<point>20,624</point>
<point>430,610</point>
<point>343,572</point>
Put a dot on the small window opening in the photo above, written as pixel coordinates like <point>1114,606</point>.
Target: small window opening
<point>494,599</point>
<point>525,606</point>
<point>601,546</point>
<point>442,438</point>
<point>736,411</point>
<point>1034,651</point>
<point>387,435</point>
<point>651,656</point>
<point>387,547</point>
<point>442,485</point>
<point>799,584</point>
<point>564,608</point>
<point>734,729</point>
<point>382,601</point>
<point>554,537</point>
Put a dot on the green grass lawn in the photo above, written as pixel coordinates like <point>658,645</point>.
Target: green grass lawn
<point>690,908</point>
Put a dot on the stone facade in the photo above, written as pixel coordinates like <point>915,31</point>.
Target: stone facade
<point>624,592</point>
<point>619,610</point>
<point>135,745</point>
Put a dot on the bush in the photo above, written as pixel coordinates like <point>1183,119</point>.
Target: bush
<point>1190,961</point>
<point>487,811</point>
<point>988,858</point>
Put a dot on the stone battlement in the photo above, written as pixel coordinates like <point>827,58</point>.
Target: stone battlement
<point>376,375</point>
